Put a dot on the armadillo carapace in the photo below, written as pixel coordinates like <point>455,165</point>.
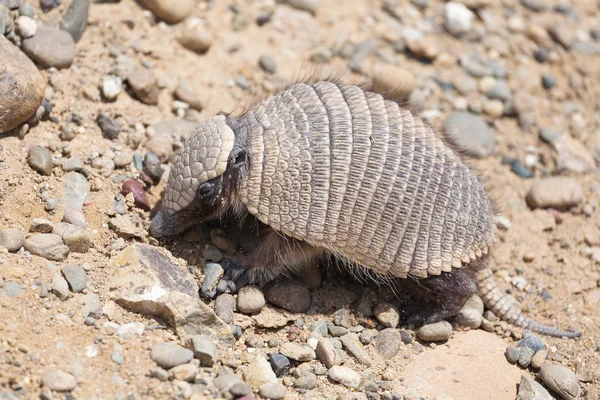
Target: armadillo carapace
<point>338,169</point>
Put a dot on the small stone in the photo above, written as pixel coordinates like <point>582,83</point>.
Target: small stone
<point>534,5</point>
<point>76,238</point>
<point>26,27</point>
<point>573,156</point>
<point>337,331</point>
<point>60,287</point>
<point>533,342</point>
<point>560,380</point>
<point>111,87</point>
<point>388,343</point>
<point>72,164</point>
<point>117,358</point>
<point>320,327</point>
<point>548,134</point>
<point>144,85</point>
<point>212,274</point>
<point>47,245</point>
<point>160,374</point>
<point>469,317</point>
<point>59,381</point>
<point>297,352</point>
<point>130,330</point>
<point>122,159</point>
<point>290,295</point>
<point>326,353</point>
<point>109,126</point>
<point>548,81</point>
<point>279,363</point>
<point>470,133</point>
<point>139,194</point>
<point>75,19</point>
<point>367,336</point>
<point>184,372</point>
<point>267,63</point>
<point>493,108</point>
<point>40,160</point>
<point>512,354</point>
<point>169,355</point>
<point>387,314</point>
<point>170,11</point>
<point>50,48</point>
<point>250,300</point>
<point>559,193</point>
<point>306,5</point>
<point>225,307</point>
<point>272,390</point>
<point>26,10</point>
<point>258,373</point>
<point>204,349</point>
<point>531,390</point>
<point>195,36</point>
<point>12,239</point>
<point>306,382</point>
<point>12,289</point>
<point>75,276</point>
<point>539,358</point>
<point>184,93</point>
<point>346,376</point>
<point>541,55</point>
<point>354,347</point>
<point>394,79</point>
<point>458,19</point>
<point>435,332</point>
<point>161,144</point>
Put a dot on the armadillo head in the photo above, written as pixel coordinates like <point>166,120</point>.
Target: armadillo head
<point>195,180</point>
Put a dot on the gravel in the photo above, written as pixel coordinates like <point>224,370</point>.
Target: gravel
<point>169,355</point>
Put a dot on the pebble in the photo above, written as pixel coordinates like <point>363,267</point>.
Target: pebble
<point>458,19</point>
<point>144,86</point>
<point>548,81</point>
<point>75,237</point>
<point>355,347</point>
<point>534,5</point>
<point>160,374</point>
<point>40,159</point>
<point>258,373</point>
<point>512,354</point>
<point>111,86</point>
<point>184,93</point>
<point>474,67</point>
<point>297,352</point>
<point>531,390</point>
<point>26,26</point>
<point>387,314</point>
<point>224,307</point>
<point>250,300</point>
<point>184,372</point>
<point>117,358</point>
<point>75,19</point>
<point>161,144</point>
<point>549,134</point>
<point>72,164</point>
<point>130,330</point>
<point>560,380</point>
<point>59,381</point>
<point>195,36</point>
<point>326,353</point>
<point>169,355</point>
<point>465,84</point>
<point>75,276</point>
<point>346,376</point>
<point>47,245</point>
<point>320,326</point>
<point>306,5</point>
<point>12,239</point>
<point>539,358</point>
<point>559,193</point>
<point>122,159</point>
<point>388,343</point>
<point>493,108</point>
<point>290,295</point>
<point>139,194</point>
<point>394,79</point>
<point>109,126</point>
<point>306,382</point>
<point>469,317</point>
<point>435,332</point>
<point>272,390</point>
<point>26,10</point>
<point>267,63</point>
<point>204,349</point>
<point>12,289</point>
<point>50,48</point>
<point>60,287</point>
<point>212,274</point>
<point>500,91</point>
<point>170,11</point>
<point>533,342</point>
<point>76,191</point>
<point>470,133</point>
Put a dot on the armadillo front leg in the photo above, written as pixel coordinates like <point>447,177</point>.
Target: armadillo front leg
<point>276,255</point>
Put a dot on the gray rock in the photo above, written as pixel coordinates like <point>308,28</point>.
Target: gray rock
<point>258,373</point>
<point>470,133</point>
<point>548,134</point>
<point>326,353</point>
<point>388,343</point>
<point>160,374</point>
<point>465,84</point>
<point>306,5</point>
<point>346,376</point>
<point>435,332</point>
<point>184,93</point>
<point>560,380</point>
<point>588,48</point>
<point>387,314</point>
<point>539,358</point>
<point>59,381</point>
<point>279,363</point>
<point>204,349</point>
<point>76,238</point>
<point>144,85</point>
<point>337,331</point>
<point>7,24</point>
<point>531,390</point>
<point>225,307</point>
<point>272,390</point>
<point>525,356</point>
<point>195,36</point>
<point>76,191</point>
<point>548,81</point>
<point>75,276</point>
<point>111,86</point>
<point>458,19</point>
<point>320,327</point>
<point>40,160</point>
<point>355,347</point>
<point>12,289</point>
<point>50,48</point>
<point>75,19</point>
<point>169,355</point>
<point>12,239</point>
<point>60,287</point>
<point>469,317</point>
<point>267,63</point>
<point>109,126</point>
<point>117,358</point>
<point>367,336</point>
<point>250,300</point>
<point>500,91</point>
<point>475,67</point>
<point>512,354</point>
<point>297,352</point>
<point>212,274</point>
<point>533,342</point>
<point>26,10</point>
<point>47,245</point>
<point>306,382</point>
<point>72,164</point>
<point>240,389</point>
<point>290,295</point>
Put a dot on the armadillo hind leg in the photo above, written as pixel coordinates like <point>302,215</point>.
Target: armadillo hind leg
<point>503,306</point>
<point>440,296</point>
<point>276,255</point>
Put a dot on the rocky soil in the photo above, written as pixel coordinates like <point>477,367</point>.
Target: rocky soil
<point>97,97</point>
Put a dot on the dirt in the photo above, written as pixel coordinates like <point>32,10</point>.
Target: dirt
<point>39,332</point>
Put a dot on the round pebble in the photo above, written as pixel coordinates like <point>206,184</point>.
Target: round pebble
<point>272,390</point>
<point>169,355</point>
<point>250,300</point>
<point>12,239</point>
<point>560,380</point>
<point>435,332</point>
<point>50,48</point>
<point>267,63</point>
<point>346,376</point>
<point>548,81</point>
<point>59,381</point>
<point>139,194</point>
<point>40,160</point>
<point>470,133</point>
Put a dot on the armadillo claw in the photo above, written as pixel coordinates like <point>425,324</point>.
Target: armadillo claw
<point>241,274</point>
<point>422,314</point>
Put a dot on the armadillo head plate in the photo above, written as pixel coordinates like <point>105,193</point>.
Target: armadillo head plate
<point>203,158</point>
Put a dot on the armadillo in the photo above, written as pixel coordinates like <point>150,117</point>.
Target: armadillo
<point>340,169</point>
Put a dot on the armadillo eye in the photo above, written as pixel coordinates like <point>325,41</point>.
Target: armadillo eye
<point>205,189</point>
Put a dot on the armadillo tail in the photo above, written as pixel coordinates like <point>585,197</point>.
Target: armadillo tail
<point>503,306</point>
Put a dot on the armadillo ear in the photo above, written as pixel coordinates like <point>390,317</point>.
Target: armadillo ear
<point>237,157</point>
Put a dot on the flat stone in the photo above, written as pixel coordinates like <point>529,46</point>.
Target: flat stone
<point>270,318</point>
<point>387,314</point>
<point>170,11</point>
<point>306,382</point>
<point>326,353</point>
<point>258,373</point>
<point>184,93</point>
<point>47,245</point>
<point>59,381</point>
<point>346,376</point>
<point>21,86</point>
<point>60,287</point>
<point>531,390</point>
<point>204,349</point>
<point>560,380</point>
<point>76,191</point>
<point>144,85</point>
<point>290,295</point>
<point>145,280</point>
<point>297,352</point>
<point>279,363</point>
<point>470,133</point>
<point>76,238</point>
<point>169,355</point>
<point>12,289</point>
<point>75,276</point>
<point>225,307</point>
<point>184,372</point>
<point>388,343</point>
<point>272,390</point>
<point>435,332</point>
<point>75,19</point>
<point>12,239</point>
<point>40,159</point>
<point>555,192</point>
<point>195,36</point>
<point>50,48</point>
<point>355,347</point>
<point>212,274</point>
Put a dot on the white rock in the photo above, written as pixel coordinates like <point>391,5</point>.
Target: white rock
<point>458,19</point>
<point>346,376</point>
